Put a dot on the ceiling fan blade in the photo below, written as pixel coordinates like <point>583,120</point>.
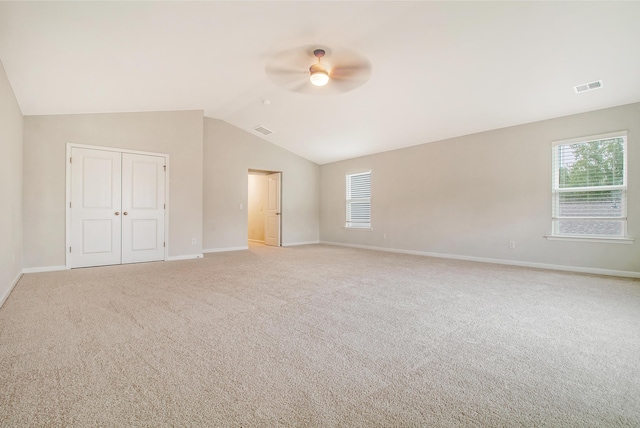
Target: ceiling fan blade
<point>350,75</point>
<point>294,85</point>
<point>339,86</point>
<point>285,76</point>
<point>289,72</point>
<point>353,69</point>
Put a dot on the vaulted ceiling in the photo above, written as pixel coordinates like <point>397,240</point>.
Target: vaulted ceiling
<point>439,69</point>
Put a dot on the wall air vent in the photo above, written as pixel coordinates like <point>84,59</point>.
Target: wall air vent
<point>588,86</point>
<point>262,130</point>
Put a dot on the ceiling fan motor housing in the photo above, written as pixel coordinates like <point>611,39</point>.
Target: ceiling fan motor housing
<point>318,68</point>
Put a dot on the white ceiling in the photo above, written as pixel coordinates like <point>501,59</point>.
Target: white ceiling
<point>439,69</point>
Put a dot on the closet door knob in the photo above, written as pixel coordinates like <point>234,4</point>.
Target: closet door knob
<point>117,213</point>
<point>125,213</point>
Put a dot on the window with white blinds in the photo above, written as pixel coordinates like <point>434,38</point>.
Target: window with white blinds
<point>590,186</point>
<point>359,200</point>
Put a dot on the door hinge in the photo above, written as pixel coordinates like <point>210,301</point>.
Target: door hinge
<point>165,206</point>
<point>69,204</point>
<point>165,167</point>
<point>164,244</point>
<point>70,160</point>
<point>69,249</point>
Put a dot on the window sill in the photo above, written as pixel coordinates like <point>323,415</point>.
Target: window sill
<point>367,229</point>
<point>603,240</point>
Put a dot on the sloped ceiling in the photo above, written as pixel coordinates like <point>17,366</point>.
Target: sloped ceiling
<point>439,69</point>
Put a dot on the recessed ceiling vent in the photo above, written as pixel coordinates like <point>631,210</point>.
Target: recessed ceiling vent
<point>264,131</point>
<point>588,86</point>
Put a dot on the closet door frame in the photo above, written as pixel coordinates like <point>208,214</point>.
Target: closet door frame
<point>70,146</point>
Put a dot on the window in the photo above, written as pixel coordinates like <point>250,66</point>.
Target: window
<point>359,200</point>
<point>590,186</point>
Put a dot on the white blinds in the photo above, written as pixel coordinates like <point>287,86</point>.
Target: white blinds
<point>589,187</point>
<point>359,200</point>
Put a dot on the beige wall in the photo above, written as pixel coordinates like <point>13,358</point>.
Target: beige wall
<point>178,134</point>
<point>10,187</point>
<point>470,196</point>
<point>229,153</point>
<point>258,188</point>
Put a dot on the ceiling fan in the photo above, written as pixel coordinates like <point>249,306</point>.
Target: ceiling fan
<point>318,70</point>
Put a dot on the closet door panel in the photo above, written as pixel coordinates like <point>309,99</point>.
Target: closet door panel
<point>95,210</point>
<point>143,192</point>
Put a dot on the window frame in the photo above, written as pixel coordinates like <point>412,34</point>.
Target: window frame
<point>557,191</point>
<point>349,223</point>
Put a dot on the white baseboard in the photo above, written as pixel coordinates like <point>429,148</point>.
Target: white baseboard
<point>43,269</point>
<point>185,257</point>
<point>222,250</point>
<point>5,296</point>
<point>57,268</point>
<point>580,269</point>
<point>293,244</point>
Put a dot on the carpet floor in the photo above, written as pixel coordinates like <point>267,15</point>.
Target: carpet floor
<point>320,336</point>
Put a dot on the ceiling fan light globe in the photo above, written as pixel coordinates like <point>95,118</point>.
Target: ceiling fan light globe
<point>319,78</point>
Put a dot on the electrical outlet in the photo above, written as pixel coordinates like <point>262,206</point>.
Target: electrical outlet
<point>193,241</point>
<point>512,244</point>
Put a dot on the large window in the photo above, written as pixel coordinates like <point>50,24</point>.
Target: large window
<point>359,200</point>
<point>590,186</point>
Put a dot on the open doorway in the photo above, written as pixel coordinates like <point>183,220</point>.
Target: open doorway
<point>264,207</point>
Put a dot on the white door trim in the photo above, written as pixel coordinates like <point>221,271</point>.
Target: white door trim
<point>68,192</point>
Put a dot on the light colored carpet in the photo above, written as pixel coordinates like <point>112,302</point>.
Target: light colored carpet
<point>320,336</point>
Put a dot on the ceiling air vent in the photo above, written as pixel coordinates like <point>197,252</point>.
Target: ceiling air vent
<point>264,131</point>
<point>588,86</point>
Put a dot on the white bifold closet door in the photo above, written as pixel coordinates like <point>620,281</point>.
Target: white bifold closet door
<point>117,207</point>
